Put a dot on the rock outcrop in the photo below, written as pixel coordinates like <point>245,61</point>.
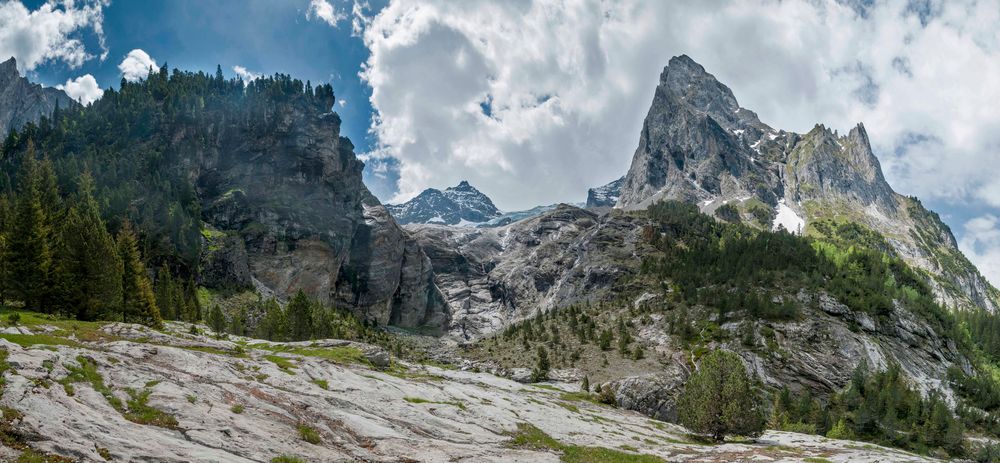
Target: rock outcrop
<point>294,195</point>
<point>22,101</point>
<point>698,145</point>
<point>458,205</point>
<point>605,195</point>
<point>135,394</point>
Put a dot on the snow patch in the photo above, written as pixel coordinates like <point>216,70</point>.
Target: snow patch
<point>787,218</point>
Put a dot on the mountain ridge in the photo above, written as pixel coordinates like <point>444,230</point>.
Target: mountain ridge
<point>22,101</point>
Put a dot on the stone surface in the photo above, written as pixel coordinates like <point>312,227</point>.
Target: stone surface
<point>362,414</point>
<point>22,101</point>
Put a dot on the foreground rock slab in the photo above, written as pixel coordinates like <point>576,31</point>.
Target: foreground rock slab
<point>250,401</point>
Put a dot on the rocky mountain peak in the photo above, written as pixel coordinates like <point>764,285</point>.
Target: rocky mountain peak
<point>605,195</point>
<point>462,204</point>
<point>22,101</point>
<point>9,68</point>
<point>698,145</point>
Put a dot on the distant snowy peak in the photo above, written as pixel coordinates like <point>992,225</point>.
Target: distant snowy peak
<point>460,205</point>
<point>605,196</point>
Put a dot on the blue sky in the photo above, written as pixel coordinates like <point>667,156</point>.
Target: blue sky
<point>534,101</point>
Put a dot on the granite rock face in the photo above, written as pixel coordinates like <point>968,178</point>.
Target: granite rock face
<point>492,277</point>
<point>698,145</point>
<point>605,195</point>
<point>462,204</point>
<point>294,195</point>
<point>22,101</point>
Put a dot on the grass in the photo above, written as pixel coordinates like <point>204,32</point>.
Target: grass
<point>528,436</point>
<point>140,412</point>
<point>135,409</point>
<point>287,459</point>
<point>285,364</point>
<point>343,355</point>
<point>322,384</point>
<point>418,400</point>
<point>569,406</point>
<point>816,460</point>
<point>308,434</point>
<point>191,398</point>
<point>28,340</point>
<point>83,331</point>
<point>237,409</point>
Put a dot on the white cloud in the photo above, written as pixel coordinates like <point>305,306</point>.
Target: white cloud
<point>83,89</point>
<point>535,101</point>
<point>246,75</point>
<point>981,244</point>
<point>136,65</point>
<point>323,10</point>
<point>51,33</point>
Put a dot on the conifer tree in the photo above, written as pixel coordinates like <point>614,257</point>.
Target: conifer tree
<point>30,247</point>
<point>273,325</point>
<point>138,303</point>
<point>299,317</point>
<point>163,289</point>
<point>216,320</point>
<point>89,267</point>
<point>541,371</point>
<point>719,399</point>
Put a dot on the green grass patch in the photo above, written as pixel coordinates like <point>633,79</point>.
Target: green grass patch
<point>28,340</point>
<point>287,459</point>
<point>308,434</point>
<point>284,363</point>
<point>322,384</point>
<point>140,412</point>
<point>237,409</point>
<point>528,436</point>
<point>135,409</point>
<point>816,460</point>
<point>343,355</point>
<point>419,400</point>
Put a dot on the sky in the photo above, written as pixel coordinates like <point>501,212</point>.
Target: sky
<point>534,101</point>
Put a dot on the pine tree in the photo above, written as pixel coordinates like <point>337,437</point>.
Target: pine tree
<point>89,266</point>
<point>541,371</point>
<point>216,320</point>
<point>30,245</point>
<point>299,317</point>
<point>163,290</point>
<point>138,303</point>
<point>719,399</point>
<point>273,326</point>
<point>585,385</point>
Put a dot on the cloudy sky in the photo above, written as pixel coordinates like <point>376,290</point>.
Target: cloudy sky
<point>534,101</point>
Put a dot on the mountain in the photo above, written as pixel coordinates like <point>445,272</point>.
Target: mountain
<point>462,204</point>
<point>698,145</point>
<point>242,189</point>
<point>606,195</point>
<point>22,101</point>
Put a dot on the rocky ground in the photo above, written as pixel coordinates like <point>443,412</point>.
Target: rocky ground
<point>120,392</point>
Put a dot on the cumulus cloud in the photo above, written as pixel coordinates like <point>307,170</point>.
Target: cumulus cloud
<point>83,89</point>
<point>537,100</point>
<point>981,244</point>
<point>136,65</point>
<point>246,75</point>
<point>323,10</point>
<point>51,33</point>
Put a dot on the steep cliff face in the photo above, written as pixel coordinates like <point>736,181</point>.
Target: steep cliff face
<point>22,101</point>
<point>698,145</point>
<point>295,196</point>
<point>605,195</point>
<point>492,277</point>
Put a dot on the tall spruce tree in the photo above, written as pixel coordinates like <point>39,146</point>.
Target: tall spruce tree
<point>90,266</point>
<point>138,304</point>
<point>30,247</point>
<point>300,317</point>
<point>719,399</point>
